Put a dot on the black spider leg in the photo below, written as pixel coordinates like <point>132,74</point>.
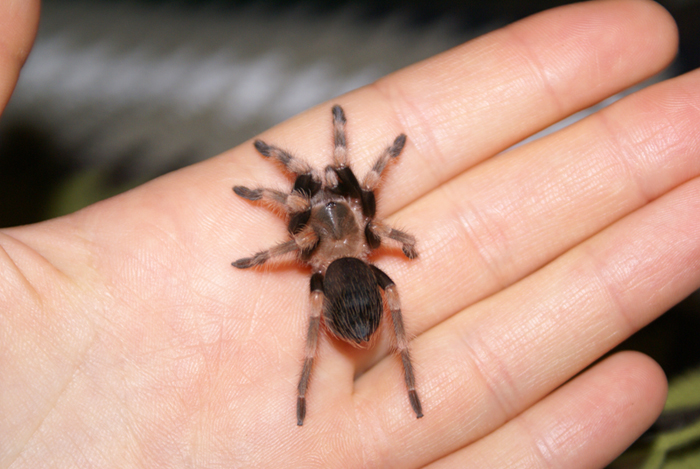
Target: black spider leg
<point>377,229</point>
<point>290,203</point>
<point>340,145</point>
<point>311,344</point>
<point>263,256</point>
<point>339,177</point>
<point>304,240</point>
<point>299,209</point>
<point>392,298</point>
<point>307,181</point>
<point>297,205</point>
<point>372,178</point>
<point>306,184</point>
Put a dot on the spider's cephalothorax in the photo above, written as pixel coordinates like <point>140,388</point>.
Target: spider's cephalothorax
<point>333,228</point>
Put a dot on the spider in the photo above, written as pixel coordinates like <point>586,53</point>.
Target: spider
<point>333,229</point>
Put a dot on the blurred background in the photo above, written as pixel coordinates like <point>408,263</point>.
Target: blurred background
<point>117,92</point>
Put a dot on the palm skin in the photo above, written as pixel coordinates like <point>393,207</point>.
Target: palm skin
<point>128,340</point>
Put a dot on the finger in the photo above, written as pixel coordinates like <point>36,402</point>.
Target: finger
<point>512,215</point>
<point>18,24</point>
<point>586,423</point>
<point>480,368</point>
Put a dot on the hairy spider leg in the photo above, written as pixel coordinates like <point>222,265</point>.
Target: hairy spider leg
<point>380,230</point>
<point>262,256</point>
<point>290,203</point>
<point>373,177</point>
<point>392,298</point>
<point>340,145</point>
<point>293,164</point>
<point>340,178</point>
<point>311,344</point>
<point>307,181</point>
<point>304,240</point>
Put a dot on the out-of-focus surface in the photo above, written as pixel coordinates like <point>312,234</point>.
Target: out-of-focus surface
<point>125,91</point>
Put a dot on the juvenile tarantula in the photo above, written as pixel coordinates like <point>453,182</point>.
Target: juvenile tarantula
<point>333,229</point>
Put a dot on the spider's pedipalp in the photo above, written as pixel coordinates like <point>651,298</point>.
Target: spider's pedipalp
<point>372,178</point>
<point>311,344</point>
<point>392,298</point>
<point>408,242</point>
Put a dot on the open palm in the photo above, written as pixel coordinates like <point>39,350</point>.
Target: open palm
<point>128,340</point>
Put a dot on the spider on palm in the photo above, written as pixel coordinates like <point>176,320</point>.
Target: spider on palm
<point>333,229</point>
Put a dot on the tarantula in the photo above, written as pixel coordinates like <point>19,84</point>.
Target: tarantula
<point>333,229</point>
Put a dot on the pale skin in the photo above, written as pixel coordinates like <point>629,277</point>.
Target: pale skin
<point>128,340</point>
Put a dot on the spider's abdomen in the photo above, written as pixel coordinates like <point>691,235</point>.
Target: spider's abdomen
<point>353,306</point>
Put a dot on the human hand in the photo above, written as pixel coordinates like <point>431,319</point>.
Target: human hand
<point>130,341</point>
